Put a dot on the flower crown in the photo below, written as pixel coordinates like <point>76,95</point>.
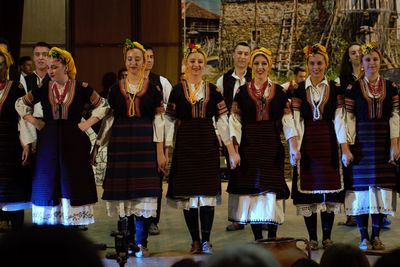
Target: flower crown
<point>193,48</point>
<point>369,48</point>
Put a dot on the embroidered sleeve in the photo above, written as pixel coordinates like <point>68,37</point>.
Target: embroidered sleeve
<point>222,109</point>
<point>103,136</point>
<point>101,108</point>
<point>349,99</point>
<point>24,105</point>
<point>221,106</point>
<point>296,104</point>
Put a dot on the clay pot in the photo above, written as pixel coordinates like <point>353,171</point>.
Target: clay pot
<point>285,249</point>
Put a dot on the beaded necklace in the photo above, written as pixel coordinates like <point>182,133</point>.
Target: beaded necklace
<point>60,97</point>
<point>375,88</point>
<point>259,93</point>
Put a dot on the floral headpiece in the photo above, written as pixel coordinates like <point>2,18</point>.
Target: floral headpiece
<point>66,59</point>
<point>369,48</point>
<point>8,58</point>
<point>317,48</point>
<point>194,48</point>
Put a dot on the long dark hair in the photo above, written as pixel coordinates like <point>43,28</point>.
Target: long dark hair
<point>346,69</point>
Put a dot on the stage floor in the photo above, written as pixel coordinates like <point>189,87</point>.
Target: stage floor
<point>174,241</point>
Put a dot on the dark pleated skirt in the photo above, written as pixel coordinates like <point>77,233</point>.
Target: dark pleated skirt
<point>131,161</point>
<point>195,160</point>
<point>371,155</point>
<point>262,162</point>
<point>15,180</point>
<point>62,167</point>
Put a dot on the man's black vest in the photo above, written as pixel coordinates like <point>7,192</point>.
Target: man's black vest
<point>228,82</point>
<point>155,79</point>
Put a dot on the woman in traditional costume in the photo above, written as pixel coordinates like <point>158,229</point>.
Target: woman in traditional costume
<point>319,117</point>
<point>134,134</point>
<point>15,179</point>
<point>63,186</point>
<point>260,111</point>
<point>194,183</point>
<point>372,106</point>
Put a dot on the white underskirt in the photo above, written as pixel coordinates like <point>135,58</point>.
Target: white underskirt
<point>141,207</point>
<point>253,209</point>
<point>194,202</point>
<point>372,201</point>
<point>307,210</point>
<point>64,214</point>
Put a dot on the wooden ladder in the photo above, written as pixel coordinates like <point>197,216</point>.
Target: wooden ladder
<point>285,46</point>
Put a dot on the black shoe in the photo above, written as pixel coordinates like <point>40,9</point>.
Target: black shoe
<point>234,227</point>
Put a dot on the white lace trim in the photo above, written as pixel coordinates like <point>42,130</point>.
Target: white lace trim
<point>194,202</point>
<point>64,214</point>
<point>260,208</point>
<point>372,201</point>
<point>145,207</point>
<point>307,210</point>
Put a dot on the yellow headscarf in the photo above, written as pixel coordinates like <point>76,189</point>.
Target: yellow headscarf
<point>8,59</point>
<point>66,58</point>
<point>260,51</point>
<point>317,48</point>
<point>131,45</point>
<point>368,48</point>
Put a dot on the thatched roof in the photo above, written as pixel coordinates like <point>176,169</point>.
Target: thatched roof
<point>193,10</point>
